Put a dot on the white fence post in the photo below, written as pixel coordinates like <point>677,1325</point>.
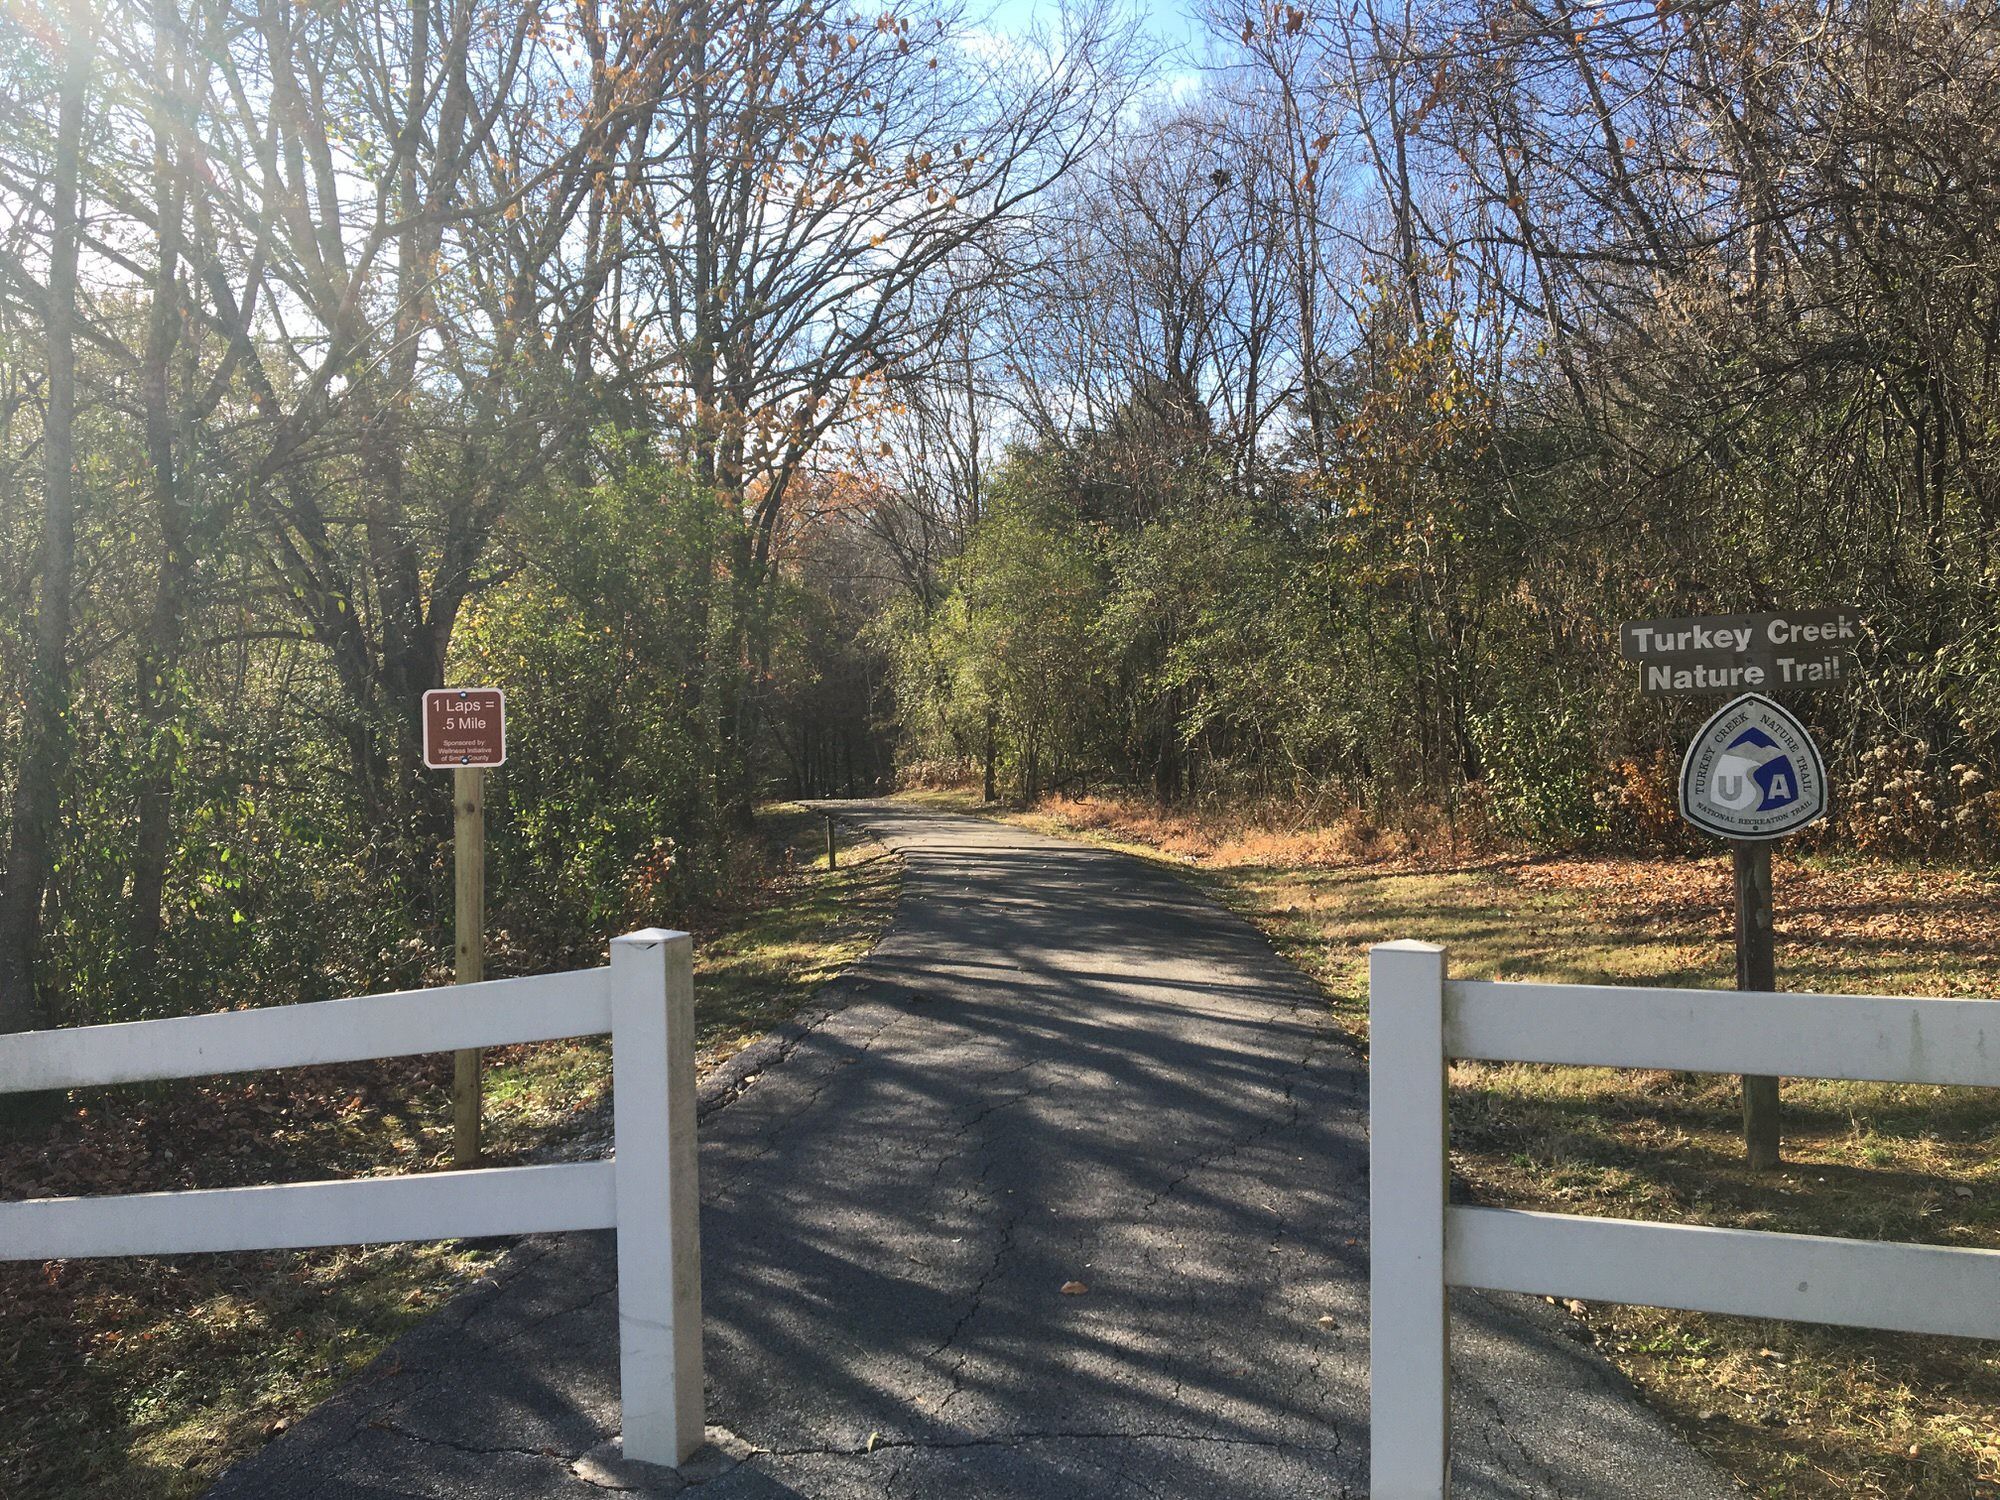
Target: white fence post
<point>659,1207</point>
<point>1409,1335</point>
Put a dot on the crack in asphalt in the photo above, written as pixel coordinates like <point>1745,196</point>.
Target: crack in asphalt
<point>775,1049</point>
<point>542,1320</point>
<point>1503,1441</point>
<point>824,1079</point>
<point>1061,1435</point>
<point>1205,1161</point>
<point>1008,1224</point>
<point>480,1450</point>
<point>984,1113</point>
<point>894,1451</point>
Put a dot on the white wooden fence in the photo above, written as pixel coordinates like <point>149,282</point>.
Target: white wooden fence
<point>646,1192</point>
<point>1419,1020</point>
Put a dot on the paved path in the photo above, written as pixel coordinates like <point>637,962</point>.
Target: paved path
<point>1060,1066</point>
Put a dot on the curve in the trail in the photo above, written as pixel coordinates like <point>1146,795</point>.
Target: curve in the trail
<point>1067,1198</point>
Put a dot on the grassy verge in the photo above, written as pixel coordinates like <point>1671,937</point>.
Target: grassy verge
<point>1789,1410</point>
<point>144,1378</point>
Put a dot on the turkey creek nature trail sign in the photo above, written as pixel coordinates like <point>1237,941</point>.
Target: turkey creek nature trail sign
<point>1752,773</point>
<point>1798,651</point>
<point>465,731</point>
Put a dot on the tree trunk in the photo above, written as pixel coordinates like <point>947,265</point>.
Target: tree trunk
<point>45,732</point>
<point>734,684</point>
<point>158,687</point>
<point>1167,763</point>
<point>992,791</point>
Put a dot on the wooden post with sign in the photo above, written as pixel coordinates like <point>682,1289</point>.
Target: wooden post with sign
<point>465,730</point>
<point>1752,774</point>
<point>1757,969</point>
<point>829,841</point>
<point>468,847</point>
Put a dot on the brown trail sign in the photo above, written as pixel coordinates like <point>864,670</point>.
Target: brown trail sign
<point>464,727</point>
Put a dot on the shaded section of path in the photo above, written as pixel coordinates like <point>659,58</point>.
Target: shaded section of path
<point>1060,1067</point>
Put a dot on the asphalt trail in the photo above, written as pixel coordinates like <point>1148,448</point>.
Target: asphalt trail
<point>1060,1067</point>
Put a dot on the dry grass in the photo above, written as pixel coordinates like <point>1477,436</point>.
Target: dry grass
<point>1789,1410</point>
<point>1230,838</point>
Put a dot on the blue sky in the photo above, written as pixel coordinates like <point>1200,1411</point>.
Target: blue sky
<point>1170,21</point>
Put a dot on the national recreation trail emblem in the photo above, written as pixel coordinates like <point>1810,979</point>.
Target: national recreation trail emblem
<point>1752,773</point>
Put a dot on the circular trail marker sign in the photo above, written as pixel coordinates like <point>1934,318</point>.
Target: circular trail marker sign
<point>1753,772</point>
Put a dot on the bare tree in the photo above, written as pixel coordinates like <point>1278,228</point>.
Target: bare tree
<point>821,166</point>
<point>44,750</point>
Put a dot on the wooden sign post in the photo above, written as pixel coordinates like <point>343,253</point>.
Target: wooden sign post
<point>1752,774</point>
<point>1757,969</point>
<point>466,729</point>
<point>468,850</point>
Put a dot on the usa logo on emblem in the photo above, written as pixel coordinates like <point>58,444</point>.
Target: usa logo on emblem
<point>1753,772</point>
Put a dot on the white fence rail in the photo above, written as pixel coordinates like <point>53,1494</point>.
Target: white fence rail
<point>646,1192</point>
<point>1419,1020</point>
